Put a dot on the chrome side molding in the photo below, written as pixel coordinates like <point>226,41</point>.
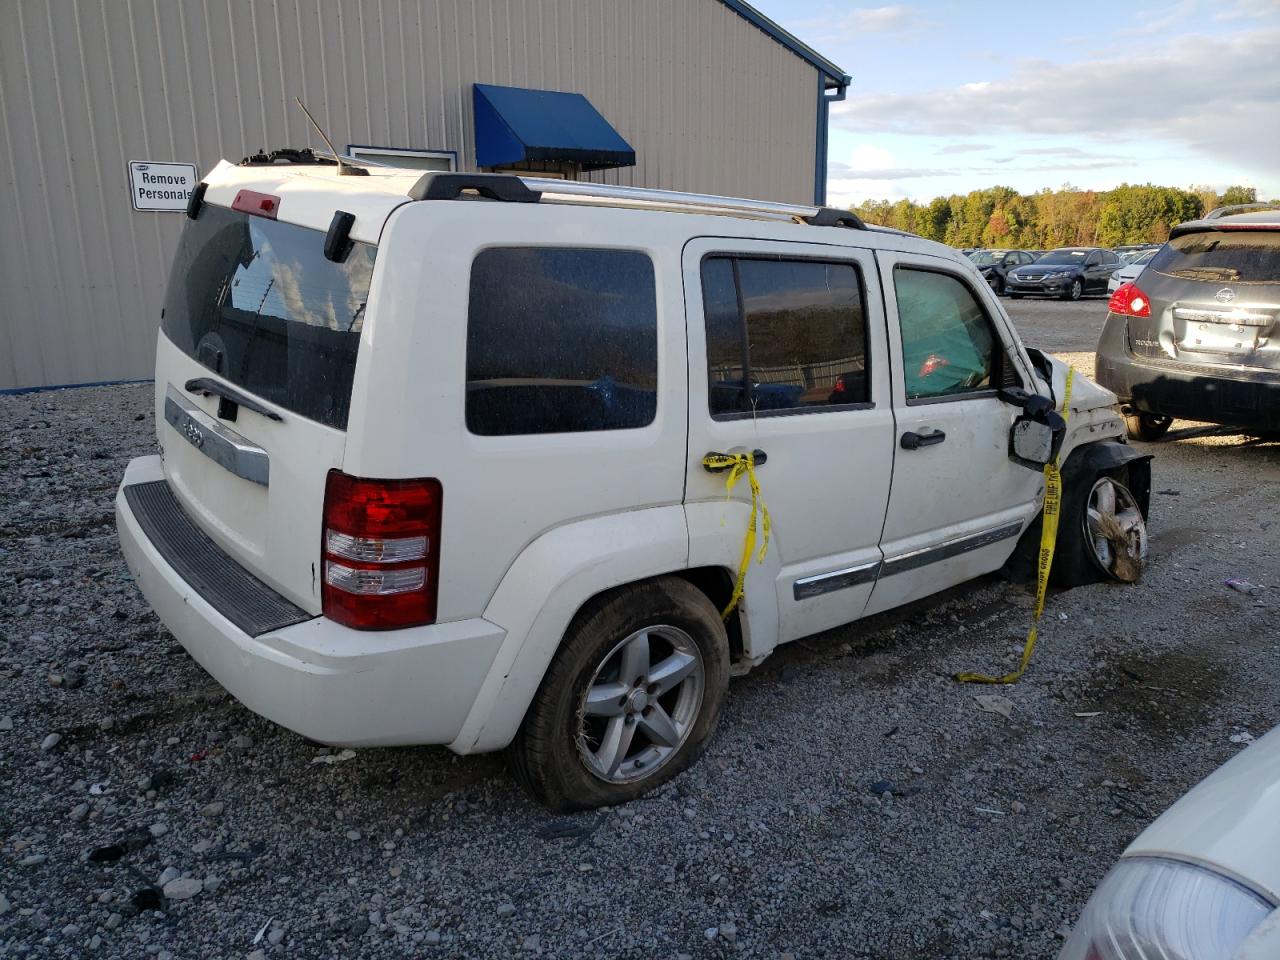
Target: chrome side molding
<point>220,444</point>
<point>821,583</point>
<point>950,548</point>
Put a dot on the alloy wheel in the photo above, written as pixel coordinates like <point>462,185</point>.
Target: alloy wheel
<point>1115,531</point>
<point>641,704</point>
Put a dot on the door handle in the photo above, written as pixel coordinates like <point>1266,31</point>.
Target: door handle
<point>914,441</point>
<point>758,457</point>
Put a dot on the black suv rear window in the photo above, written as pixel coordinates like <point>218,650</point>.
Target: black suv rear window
<point>255,301</point>
<point>1244,256</point>
<point>561,340</point>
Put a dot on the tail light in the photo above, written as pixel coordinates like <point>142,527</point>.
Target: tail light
<point>381,551</point>
<point>1129,301</point>
<point>839,386</point>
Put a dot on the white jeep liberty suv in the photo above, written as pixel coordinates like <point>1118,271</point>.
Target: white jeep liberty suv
<point>433,455</point>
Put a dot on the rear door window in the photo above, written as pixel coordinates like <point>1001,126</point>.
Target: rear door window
<point>561,340</point>
<point>256,302</point>
<point>783,335</point>
<point>1245,256</point>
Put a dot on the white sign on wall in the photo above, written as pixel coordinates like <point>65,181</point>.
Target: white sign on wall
<point>160,186</point>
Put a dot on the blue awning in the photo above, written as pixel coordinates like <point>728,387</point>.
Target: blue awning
<point>514,124</point>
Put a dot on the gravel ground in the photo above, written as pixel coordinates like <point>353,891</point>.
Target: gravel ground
<point>855,802</point>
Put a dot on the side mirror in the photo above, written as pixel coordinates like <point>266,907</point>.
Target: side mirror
<point>1035,439</point>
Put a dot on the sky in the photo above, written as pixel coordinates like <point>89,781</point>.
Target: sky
<point>949,97</point>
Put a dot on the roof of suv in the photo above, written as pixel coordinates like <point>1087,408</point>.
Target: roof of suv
<point>1253,220</point>
<point>308,191</point>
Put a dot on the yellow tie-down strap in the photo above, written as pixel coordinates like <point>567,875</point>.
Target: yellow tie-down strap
<point>1048,540</point>
<point>739,465</point>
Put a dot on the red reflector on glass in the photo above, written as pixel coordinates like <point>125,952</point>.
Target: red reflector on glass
<point>381,551</point>
<point>1129,301</point>
<point>259,204</point>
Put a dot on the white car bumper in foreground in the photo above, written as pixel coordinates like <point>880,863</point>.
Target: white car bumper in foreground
<point>323,680</point>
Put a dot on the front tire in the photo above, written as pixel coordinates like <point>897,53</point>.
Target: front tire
<point>1102,534</point>
<point>630,699</point>
<point>1075,291</point>
<point>1147,426</point>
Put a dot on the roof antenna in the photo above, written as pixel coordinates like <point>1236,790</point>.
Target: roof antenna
<point>344,169</point>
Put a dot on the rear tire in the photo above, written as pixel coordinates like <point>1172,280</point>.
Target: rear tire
<point>595,737</point>
<point>1147,426</point>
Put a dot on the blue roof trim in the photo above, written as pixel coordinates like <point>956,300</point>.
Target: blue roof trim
<point>802,50</point>
<point>514,124</point>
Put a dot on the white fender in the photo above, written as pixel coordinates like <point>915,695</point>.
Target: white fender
<point>546,585</point>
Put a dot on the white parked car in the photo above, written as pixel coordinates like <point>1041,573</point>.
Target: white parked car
<point>433,455</point>
<point>1203,881</point>
<point>1131,270</point>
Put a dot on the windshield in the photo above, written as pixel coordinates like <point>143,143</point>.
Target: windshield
<point>1064,256</point>
<point>256,302</point>
<point>1142,258</point>
<point>1245,256</point>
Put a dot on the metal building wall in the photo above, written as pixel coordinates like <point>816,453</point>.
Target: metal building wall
<point>709,102</point>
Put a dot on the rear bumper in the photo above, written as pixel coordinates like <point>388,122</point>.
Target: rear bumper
<point>1230,397</point>
<point>318,678</point>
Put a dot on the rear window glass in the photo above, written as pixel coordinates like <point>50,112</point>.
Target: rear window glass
<point>256,302</point>
<point>783,335</point>
<point>561,340</point>
<point>1246,256</point>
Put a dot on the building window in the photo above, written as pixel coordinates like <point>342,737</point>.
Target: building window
<point>412,159</point>
<point>561,340</point>
<point>783,335</point>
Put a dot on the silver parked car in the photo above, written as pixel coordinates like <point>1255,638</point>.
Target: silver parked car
<point>1198,336</point>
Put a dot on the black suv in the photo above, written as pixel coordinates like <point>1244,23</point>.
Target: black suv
<point>1068,272</point>
<point>994,265</point>
<point>1197,335</point>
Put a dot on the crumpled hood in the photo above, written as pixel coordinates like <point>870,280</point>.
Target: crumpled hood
<point>1085,394</point>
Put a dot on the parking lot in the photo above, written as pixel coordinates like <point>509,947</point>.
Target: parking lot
<point>855,803</point>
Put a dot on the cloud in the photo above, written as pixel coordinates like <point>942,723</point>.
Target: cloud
<point>1250,10</point>
<point>1193,93</point>
<point>856,24</point>
<point>964,148</point>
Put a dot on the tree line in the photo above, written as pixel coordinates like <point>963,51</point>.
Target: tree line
<point>1002,217</point>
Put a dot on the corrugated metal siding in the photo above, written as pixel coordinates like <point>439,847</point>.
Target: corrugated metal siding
<point>708,101</point>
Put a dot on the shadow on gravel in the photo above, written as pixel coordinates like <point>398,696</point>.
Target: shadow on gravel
<point>1167,695</point>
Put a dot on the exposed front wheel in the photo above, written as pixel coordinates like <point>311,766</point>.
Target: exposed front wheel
<point>1075,291</point>
<point>1147,426</point>
<point>1102,533</point>
<point>630,699</point>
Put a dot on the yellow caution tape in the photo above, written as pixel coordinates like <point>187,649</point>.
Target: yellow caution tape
<point>1048,540</point>
<point>739,465</point>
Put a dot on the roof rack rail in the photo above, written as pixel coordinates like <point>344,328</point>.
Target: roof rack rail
<point>516,189</point>
<point>697,202</point>
<point>452,186</point>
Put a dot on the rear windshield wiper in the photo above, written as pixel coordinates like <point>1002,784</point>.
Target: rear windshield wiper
<point>207,386</point>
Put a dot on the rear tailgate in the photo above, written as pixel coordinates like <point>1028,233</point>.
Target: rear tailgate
<point>254,366</point>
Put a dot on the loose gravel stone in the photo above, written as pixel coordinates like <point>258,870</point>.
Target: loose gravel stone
<point>212,810</point>
<point>787,846</point>
<point>51,741</point>
<point>183,888</point>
